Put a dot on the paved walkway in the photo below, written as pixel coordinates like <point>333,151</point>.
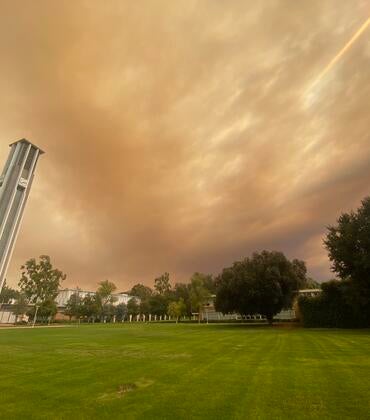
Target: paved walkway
<point>13,327</point>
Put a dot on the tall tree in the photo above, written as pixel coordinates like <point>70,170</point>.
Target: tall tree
<point>133,307</point>
<point>40,282</point>
<point>91,307</point>
<point>158,304</point>
<point>348,245</point>
<point>48,309</point>
<point>141,291</point>
<point>263,284</point>
<point>104,294</point>
<point>208,282</point>
<point>74,306</point>
<point>182,291</point>
<point>120,311</point>
<point>7,294</point>
<point>144,307</point>
<point>108,312</point>
<point>162,284</point>
<point>199,294</point>
<point>300,269</point>
<point>176,309</point>
<point>106,290</point>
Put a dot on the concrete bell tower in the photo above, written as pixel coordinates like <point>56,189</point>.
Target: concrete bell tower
<point>15,184</point>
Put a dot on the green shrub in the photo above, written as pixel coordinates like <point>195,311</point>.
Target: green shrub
<point>333,308</point>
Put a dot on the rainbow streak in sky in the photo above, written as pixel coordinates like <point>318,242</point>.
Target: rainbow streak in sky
<point>349,44</point>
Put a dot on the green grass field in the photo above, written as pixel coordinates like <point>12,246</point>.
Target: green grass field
<point>159,371</point>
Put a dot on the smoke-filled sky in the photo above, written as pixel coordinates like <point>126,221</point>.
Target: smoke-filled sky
<point>183,135</point>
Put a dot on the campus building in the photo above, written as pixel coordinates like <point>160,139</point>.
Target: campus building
<point>65,294</point>
<point>15,184</point>
<point>6,310</point>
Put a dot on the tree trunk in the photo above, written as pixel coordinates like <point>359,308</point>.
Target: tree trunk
<point>35,317</point>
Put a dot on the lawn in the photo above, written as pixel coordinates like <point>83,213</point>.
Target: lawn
<point>169,371</point>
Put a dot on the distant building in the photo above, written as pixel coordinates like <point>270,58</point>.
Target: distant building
<point>65,294</point>
<point>7,316</point>
<point>309,292</point>
<point>209,313</point>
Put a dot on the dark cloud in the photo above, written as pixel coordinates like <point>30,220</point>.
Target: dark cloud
<point>184,136</point>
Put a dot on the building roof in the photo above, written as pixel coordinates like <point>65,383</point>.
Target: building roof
<point>28,142</point>
<point>309,290</point>
<point>70,289</point>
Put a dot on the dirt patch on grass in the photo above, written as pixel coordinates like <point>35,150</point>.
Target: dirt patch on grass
<point>125,388</point>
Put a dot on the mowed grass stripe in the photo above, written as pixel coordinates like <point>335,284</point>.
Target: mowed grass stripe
<point>183,371</point>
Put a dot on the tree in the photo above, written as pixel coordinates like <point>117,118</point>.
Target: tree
<point>333,307</point>
<point>199,294</point>
<point>162,284</point>
<point>208,282</point>
<point>263,284</point>
<point>176,309</point>
<point>141,291</point>
<point>91,307</point>
<point>105,296</point>
<point>40,282</point>
<point>108,312</point>
<point>300,269</point>
<point>20,307</point>
<point>144,307</point>
<point>43,311</point>
<point>48,309</point>
<point>132,307</point>
<point>182,291</point>
<point>105,291</point>
<point>158,304</point>
<point>121,311</point>
<point>348,245</point>
<point>7,294</point>
<point>74,306</point>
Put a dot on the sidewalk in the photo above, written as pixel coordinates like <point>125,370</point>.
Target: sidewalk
<point>13,327</point>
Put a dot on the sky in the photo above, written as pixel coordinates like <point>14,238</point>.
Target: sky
<point>184,135</point>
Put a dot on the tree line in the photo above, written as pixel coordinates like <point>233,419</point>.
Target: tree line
<point>264,284</point>
<point>180,300</point>
<point>344,301</point>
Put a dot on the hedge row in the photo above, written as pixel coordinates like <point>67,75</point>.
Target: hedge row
<point>331,309</point>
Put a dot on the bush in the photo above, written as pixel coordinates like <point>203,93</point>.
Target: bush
<point>333,308</point>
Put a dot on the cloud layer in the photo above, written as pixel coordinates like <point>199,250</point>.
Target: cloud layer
<point>180,136</point>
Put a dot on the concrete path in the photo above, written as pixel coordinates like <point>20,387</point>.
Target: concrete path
<point>14,327</point>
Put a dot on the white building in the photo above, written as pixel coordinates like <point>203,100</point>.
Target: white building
<point>309,292</point>
<point>65,294</point>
